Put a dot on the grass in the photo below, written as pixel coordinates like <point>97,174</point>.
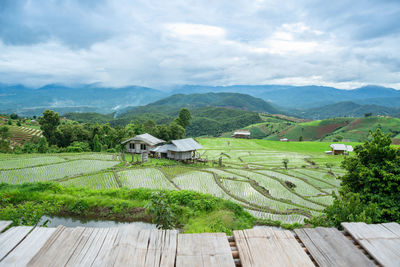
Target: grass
<point>27,203</point>
<point>252,174</point>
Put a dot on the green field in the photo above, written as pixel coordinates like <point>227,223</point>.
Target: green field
<point>252,174</point>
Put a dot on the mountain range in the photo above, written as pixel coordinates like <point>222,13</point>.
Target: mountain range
<point>304,101</point>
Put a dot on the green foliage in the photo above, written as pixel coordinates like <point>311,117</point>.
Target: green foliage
<point>24,213</point>
<point>369,114</point>
<point>42,146</point>
<point>160,210</point>
<point>96,144</point>
<point>285,163</point>
<point>371,185</point>
<point>78,147</point>
<point>184,118</point>
<point>4,143</point>
<point>14,116</point>
<point>176,131</point>
<point>26,203</point>
<point>48,124</point>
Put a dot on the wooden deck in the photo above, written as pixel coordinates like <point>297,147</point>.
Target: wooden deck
<point>359,245</point>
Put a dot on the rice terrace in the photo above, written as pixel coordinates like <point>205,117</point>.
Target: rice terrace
<point>248,172</point>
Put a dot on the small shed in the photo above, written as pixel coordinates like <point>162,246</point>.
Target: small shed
<point>182,149</point>
<point>142,143</point>
<point>340,149</point>
<point>241,134</point>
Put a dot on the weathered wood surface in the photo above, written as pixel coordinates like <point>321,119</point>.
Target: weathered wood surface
<point>263,246</point>
<point>381,241</point>
<point>125,246</point>
<point>28,247</point>
<point>204,250</point>
<point>4,225</point>
<point>11,238</point>
<point>135,247</point>
<point>329,247</point>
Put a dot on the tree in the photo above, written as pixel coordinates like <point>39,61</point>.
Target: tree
<point>42,145</point>
<point>162,132</point>
<point>4,143</point>
<point>14,116</point>
<point>160,210</point>
<point>184,118</point>
<point>285,163</point>
<point>338,138</point>
<point>176,131</point>
<point>96,144</point>
<point>48,124</point>
<point>301,138</point>
<point>369,114</point>
<point>370,187</point>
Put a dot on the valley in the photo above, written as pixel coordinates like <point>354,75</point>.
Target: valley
<point>252,174</point>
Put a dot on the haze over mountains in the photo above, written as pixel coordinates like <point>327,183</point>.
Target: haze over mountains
<point>305,101</point>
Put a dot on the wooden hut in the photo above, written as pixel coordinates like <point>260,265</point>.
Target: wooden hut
<point>182,149</point>
<point>241,134</point>
<point>141,144</point>
<point>340,149</point>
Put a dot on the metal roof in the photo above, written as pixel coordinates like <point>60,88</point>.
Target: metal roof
<point>342,147</point>
<point>242,132</point>
<point>187,144</point>
<point>146,138</point>
<point>163,148</point>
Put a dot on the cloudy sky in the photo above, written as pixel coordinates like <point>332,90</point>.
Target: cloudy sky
<point>161,43</point>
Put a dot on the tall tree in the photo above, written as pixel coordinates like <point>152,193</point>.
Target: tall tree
<point>96,144</point>
<point>184,118</point>
<point>4,143</point>
<point>48,124</point>
<point>176,131</point>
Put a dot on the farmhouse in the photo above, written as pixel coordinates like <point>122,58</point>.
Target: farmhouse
<point>241,134</point>
<point>340,149</point>
<point>140,144</point>
<point>182,149</point>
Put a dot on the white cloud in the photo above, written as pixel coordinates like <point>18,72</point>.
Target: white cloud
<point>165,43</point>
<point>196,30</point>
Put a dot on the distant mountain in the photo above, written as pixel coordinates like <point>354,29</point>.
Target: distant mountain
<point>224,100</point>
<point>81,98</point>
<point>212,113</point>
<point>346,109</point>
<point>97,98</point>
<point>304,97</point>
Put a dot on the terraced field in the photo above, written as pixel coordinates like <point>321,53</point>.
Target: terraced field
<point>252,175</point>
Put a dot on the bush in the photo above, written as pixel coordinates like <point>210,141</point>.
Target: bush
<point>168,209</point>
<point>370,188</point>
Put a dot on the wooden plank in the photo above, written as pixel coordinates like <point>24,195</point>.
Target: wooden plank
<point>208,249</point>
<point>263,246</point>
<point>329,247</point>
<point>125,249</point>
<point>105,248</point>
<point>4,225</point>
<point>25,251</point>
<point>59,247</point>
<point>382,243</point>
<point>161,250</point>
<point>11,238</point>
<point>88,247</point>
<point>393,227</point>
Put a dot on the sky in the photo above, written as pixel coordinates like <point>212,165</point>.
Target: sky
<point>161,44</point>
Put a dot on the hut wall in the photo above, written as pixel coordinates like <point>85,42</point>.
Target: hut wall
<point>180,155</point>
